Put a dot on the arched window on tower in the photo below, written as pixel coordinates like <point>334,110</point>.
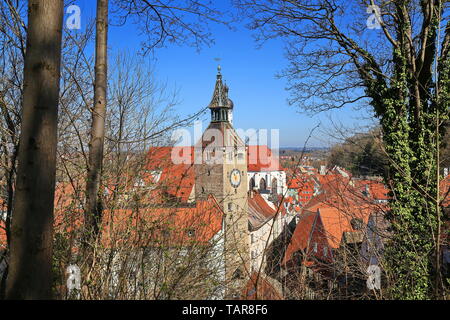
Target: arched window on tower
<point>262,184</point>
<point>274,186</point>
<point>251,184</point>
<point>224,115</point>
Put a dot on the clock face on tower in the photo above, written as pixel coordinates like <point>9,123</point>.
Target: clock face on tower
<point>235,178</point>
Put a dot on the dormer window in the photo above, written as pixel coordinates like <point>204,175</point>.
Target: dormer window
<point>156,175</point>
<point>191,233</point>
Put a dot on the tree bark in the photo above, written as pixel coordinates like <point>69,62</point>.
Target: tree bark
<point>30,268</point>
<point>93,205</point>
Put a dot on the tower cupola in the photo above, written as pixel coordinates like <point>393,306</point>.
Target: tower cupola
<point>221,106</point>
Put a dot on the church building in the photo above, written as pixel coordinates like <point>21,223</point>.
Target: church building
<point>241,178</point>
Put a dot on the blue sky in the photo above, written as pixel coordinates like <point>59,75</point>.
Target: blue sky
<point>259,97</point>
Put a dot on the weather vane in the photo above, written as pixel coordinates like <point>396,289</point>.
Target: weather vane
<point>218,61</point>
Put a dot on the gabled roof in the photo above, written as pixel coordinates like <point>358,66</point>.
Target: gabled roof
<point>302,237</point>
<point>336,222</point>
<point>259,211</point>
<point>329,216</point>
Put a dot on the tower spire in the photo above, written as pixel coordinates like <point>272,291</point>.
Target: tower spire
<point>221,106</point>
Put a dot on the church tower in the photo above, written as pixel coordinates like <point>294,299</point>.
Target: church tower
<point>221,170</point>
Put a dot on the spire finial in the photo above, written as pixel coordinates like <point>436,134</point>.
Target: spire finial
<point>219,68</point>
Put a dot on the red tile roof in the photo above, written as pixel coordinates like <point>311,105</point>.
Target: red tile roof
<point>326,218</point>
<point>187,225</point>
<point>176,179</point>
<point>261,158</point>
<point>202,219</point>
<point>377,189</point>
<point>302,238</point>
<point>259,211</point>
<point>259,204</point>
<point>178,226</point>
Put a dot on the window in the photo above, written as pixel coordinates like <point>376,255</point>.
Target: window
<point>156,175</point>
<point>274,186</point>
<point>325,251</point>
<point>230,206</point>
<point>253,255</point>
<point>262,184</point>
<point>237,274</point>
<point>252,237</point>
<point>166,233</point>
<point>252,183</point>
<point>356,223</point>
<point>138,183</point>
<point>315,247</point>
<point>191,233</point>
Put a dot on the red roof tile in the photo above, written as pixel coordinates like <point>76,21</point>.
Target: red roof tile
<point>259,211</point>
<point>261,158</point>
<point>178,226</point>
<point>176,179</point>
<point>326,218</point>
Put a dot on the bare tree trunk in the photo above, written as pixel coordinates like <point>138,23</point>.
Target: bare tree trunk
<point>30,269</point>
<point>93,206</point>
